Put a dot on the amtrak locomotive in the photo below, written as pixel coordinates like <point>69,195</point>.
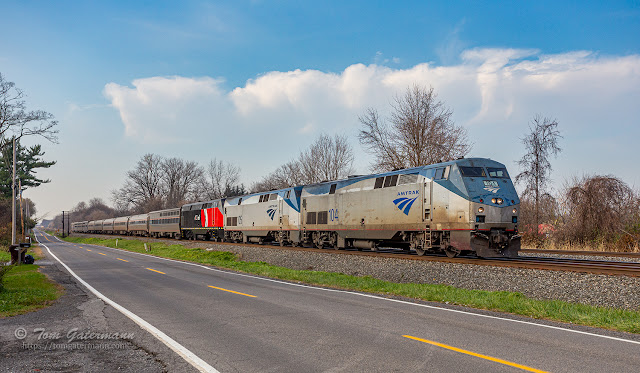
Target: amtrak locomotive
<point>466,206</point>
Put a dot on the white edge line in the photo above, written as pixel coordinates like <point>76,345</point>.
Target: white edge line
<point>189,356</point>
<point>382,298</point>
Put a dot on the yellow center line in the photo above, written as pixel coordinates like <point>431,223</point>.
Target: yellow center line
<point>156,271</point>
<point>88,249</point>
<point>123,260</point>
<point>523,367</point>
<point>235,292</point>
<point>102,254</point>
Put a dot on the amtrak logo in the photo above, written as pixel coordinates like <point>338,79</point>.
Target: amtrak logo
<point>491,186</point>
<point>271,213</point>
<point>404,204</point>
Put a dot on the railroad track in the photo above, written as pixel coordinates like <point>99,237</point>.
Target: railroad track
<point>543,263</point>
<point>576,252</point>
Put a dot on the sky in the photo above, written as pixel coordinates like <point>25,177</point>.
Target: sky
<point>255,82</point>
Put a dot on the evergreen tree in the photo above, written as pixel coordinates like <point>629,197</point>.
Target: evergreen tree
<point>28,160</point>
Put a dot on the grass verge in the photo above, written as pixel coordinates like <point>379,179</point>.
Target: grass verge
<point>502,301</point>
<point>25,288</point>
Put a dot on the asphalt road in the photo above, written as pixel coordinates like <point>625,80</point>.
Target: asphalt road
<point>243,323</point>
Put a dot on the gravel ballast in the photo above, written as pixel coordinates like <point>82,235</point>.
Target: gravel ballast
<point>592,289</point>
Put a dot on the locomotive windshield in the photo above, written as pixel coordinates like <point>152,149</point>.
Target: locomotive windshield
<point>498,172</point>
<point>472,171</point>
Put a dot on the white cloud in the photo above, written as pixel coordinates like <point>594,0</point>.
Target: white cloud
<point>494,92</point>
<point>155,107</point>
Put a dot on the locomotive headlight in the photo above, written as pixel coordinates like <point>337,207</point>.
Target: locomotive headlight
<point>500,201</point>
<point>493,200</point>
<point>481,209</point>
<point>515,211</point>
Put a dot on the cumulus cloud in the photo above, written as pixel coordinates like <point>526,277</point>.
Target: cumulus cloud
<point>154,107</point>
<point>493,92</point>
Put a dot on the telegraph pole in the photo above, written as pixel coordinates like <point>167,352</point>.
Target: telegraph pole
<point>62,223</point>
<point>13,193</point>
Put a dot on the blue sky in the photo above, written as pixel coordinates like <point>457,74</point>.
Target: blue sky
<point>174,78</point>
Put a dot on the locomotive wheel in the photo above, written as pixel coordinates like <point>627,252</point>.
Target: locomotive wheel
<point>451,253</point>
<point>420,252</point>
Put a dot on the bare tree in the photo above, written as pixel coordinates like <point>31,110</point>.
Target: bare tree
<point>601,209</point>
<point>181,181</point>
<point>328,158</point>
<point>142,189</point>
<point>16,120</point>
<point>289,174</point>
<point>221,180</point>
<point>541,143</point>
<point>420,132</point>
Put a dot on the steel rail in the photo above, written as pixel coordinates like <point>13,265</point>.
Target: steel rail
<point>541,263</point>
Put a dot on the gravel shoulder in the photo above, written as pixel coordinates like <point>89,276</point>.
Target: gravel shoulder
<point>58,338</point>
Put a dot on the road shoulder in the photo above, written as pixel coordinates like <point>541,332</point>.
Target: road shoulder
<point>79,332</point>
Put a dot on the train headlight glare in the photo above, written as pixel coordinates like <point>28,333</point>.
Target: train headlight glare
<point>500,201</point>
<point>515,211</point>
<point>481,209</point>
<point>493,200</point>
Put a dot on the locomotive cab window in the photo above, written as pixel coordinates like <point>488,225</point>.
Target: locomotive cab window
<point>498,173</point>
<point>472,171</point>
<point>333,189</point>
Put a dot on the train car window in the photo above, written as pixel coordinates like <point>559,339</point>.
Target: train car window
<point>390,181</point>
<point>311,218</point>
<point>439,173</point>
<point>498,172</point>
<point>261,199</point>
<point>322,217</point>
<point>333,189</point>
<point>379,183</point>
<point>273,196</point>
<point>446,172</point>
<point>239,201</point>
<point>287,194</point>
<point>472,171</point>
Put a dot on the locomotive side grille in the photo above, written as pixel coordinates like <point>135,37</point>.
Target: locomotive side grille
<point>311,218</point>
<point>408,179</point>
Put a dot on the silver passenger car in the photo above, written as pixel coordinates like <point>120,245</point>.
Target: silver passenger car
<point>165,223</point>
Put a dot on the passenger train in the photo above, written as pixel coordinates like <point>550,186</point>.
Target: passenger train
<point>466,206</point>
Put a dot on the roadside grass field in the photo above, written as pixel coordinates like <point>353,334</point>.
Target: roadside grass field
<point>25,289</point>
<point>502,301</point>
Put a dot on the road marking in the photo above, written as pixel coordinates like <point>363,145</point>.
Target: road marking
<point>231,291</point>
<point>505,362</point>
<point>156,271</point>
<point>530,323</point>
<point>88,249</point>
<point>187,355</point>
<point>123,260</point>
<point>102,254</point>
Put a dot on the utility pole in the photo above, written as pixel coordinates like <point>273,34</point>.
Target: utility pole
<point>13,193</point>
<point>22,239</point>
<point>62,223</point>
